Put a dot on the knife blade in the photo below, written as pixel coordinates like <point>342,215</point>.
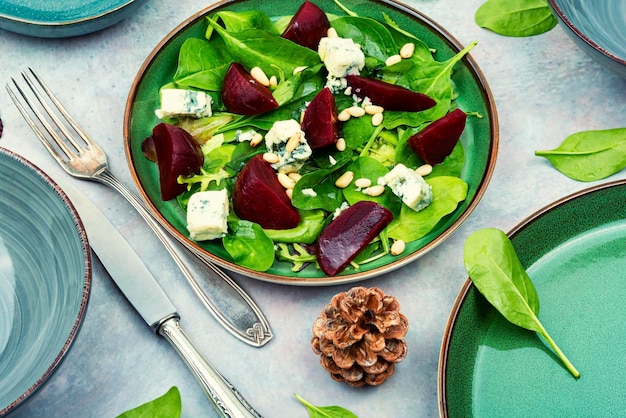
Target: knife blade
<point>144,293</point>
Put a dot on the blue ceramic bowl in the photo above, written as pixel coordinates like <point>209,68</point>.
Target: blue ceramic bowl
<point>598,27</point>
<point>45,278</point>
<point>60,19</point>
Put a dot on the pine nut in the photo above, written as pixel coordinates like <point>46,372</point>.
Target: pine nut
<point>293,142</point>
<point>377,119</point>
<point>344,115</point>
<point>363,183</point>
<point>273,81</point>
<point>256,140</point>
<point>341,144</point>
<point>392,60</point>
<point>374,191</point>
<point>373,109</point>
<point>332,33</point>
<point>271,158</point>
<point>356,111</point>
<point>397,247</point>
<point>407,50</point>
<point>259,75</point>
<point>299,69</point>
<point>289,193</point>
<point>424,170</point>
<point>344,180</point>
<point>295,176</point>
<point>286,181</point>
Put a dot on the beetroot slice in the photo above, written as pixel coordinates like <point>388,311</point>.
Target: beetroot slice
<point>307,26</point>
<point>320,123</point>
<point>389,96</point>
<point>342,240</point>
<point>435,142</point>
<point>244,95</point>
<point>178,154</point>
<point>258,197</point>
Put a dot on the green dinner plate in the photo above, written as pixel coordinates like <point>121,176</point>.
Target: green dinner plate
<point>480,139</point>
<point>575,253</point>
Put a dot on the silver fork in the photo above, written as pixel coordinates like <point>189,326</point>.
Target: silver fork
<point>81,157</point>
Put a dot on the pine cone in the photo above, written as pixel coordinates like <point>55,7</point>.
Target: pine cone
<point>360,336</point>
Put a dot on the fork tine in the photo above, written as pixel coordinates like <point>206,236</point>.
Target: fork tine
<point>64,111</point>
<point>33,125</point>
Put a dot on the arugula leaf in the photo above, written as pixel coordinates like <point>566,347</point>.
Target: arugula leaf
<point>492,264</point>
<point>324,411</point>
<point>248,245</point>
<point>167,406</point>
<point>516,17</point>
<point>412,225</point>
<point>589,155</point>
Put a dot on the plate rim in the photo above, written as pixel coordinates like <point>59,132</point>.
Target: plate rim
<point>468,285</point>
<point>476,73</point>
<point>86,280</point>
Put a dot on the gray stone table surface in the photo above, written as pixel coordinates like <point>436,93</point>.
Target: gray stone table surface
<point>545,88</point>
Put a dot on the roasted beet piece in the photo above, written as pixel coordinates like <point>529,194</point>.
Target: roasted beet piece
<point>244,95</point>
<point>435,142</point>
<point>178,154</point>
<point>258,197</point>
<point>349,234</point>
<point>389,96</point>
<point>307,26</point>
<point>320,123</point>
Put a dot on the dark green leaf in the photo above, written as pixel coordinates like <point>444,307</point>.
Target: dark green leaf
<point>248,245</point>
<point>590,155</point>
<point>492,264</point>
<point>167,406</point>
<point>516,17</point>
<point>202,64</point>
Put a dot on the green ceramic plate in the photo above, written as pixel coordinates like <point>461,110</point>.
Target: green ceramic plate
<point>480,138</point>
<point>575,253</point>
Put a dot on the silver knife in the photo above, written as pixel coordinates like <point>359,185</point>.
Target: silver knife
<point>141,289</point>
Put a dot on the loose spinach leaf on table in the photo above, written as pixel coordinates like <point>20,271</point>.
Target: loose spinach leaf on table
<point>589,155</point>
<point>494,268</point>
<point>324,411</point>
<point>517,18</point>
<point>167,406</point>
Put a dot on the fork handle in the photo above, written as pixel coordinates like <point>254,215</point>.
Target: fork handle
<point>225,397</point>
<point>225,300</point>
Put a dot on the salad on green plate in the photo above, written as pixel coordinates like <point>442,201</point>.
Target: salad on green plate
<point>311,144</point>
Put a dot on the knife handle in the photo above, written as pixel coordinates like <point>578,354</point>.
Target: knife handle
<point>225,397</point>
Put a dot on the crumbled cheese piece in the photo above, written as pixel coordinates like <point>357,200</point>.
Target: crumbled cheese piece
<point>276,141</point>
<point>340,209</point>
<point>241,136</point>
<point>309,192</point>
<point>341,57</point>
<point>408,186</point>
<point>179,102</point>
<point>206,215</point>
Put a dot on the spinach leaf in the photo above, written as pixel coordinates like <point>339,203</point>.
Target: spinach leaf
<point>324,411</point>
<point>248,245</point>
<point>369,168</point>
<point>516,17</point>
<point>494,268</point>
<point>167,406</point>
<point>310,226</point>
<point>374,38</point>
<point>412,225</point>
<point>271,52</point>
<point>238,21</point>
<point>322,181</point>
<point>590,155</point>
<point>202,64</point>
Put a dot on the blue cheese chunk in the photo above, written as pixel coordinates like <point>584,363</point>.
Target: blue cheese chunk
<point>408,186</point>
<point>286,139</point>
<point>184,103</point>
<point>341,57</point>
<point>206,215</point>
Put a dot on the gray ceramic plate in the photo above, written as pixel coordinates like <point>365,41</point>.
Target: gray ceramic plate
<point>45,278</point>
<point>59,19</point>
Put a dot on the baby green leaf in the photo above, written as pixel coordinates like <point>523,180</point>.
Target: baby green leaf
<point>516,17</point>
<point>167,406</point>
<point>590,155</point>
<point>325,411</point>
<point>493,265</point>
<point>248,245</point>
